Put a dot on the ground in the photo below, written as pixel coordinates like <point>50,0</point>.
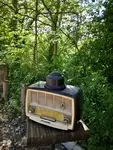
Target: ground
<point>13,130</point>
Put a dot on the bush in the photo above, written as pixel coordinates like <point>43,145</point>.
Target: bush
<point>98,110</point>
<point>98,105</point>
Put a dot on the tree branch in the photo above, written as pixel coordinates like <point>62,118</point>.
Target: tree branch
<point>44,15</point>
<point>44,23</point>
<point>49,12</point>
<point>67,35</point>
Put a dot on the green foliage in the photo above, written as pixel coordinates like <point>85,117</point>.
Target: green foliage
<point>69,36</point>
<point>98,109</point>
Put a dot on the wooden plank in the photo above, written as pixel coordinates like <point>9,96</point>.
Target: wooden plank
<point>3,72</point>
<point>3,81</point>
<point>5,91</point>
<point>23,96</point>
<point>41,135</point>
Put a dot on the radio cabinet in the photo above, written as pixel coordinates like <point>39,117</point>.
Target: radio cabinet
<point>55,108</point>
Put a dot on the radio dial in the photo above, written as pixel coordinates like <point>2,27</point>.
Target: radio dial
<point>66,120</point>
<point>62,105</point>
<point>32,110</point>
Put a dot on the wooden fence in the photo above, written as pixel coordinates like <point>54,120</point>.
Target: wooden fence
<point>3,82</point>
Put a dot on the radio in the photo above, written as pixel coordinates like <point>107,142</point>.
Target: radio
<point>53,103</point>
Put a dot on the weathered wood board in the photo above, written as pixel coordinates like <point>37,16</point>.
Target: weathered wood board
<point>41,135</point>
<point>23,96</point>
<point>3,81</point>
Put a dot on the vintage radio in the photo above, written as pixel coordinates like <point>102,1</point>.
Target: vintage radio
<point>53,103</point>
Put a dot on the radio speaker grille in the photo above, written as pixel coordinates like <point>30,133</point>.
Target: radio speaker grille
<point>52,101</point>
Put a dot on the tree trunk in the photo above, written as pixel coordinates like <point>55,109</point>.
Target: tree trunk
<point>35,53</point>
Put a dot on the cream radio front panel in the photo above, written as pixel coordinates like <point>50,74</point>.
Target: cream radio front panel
<point>58,109</point>
<point>50,109</point>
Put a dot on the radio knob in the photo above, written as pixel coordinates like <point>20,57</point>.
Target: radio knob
<point>66,120</point>
<point>62,105</point>
<point>32,110</point>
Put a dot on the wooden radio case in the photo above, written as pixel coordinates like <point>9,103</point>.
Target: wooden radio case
<point>53,103</point>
